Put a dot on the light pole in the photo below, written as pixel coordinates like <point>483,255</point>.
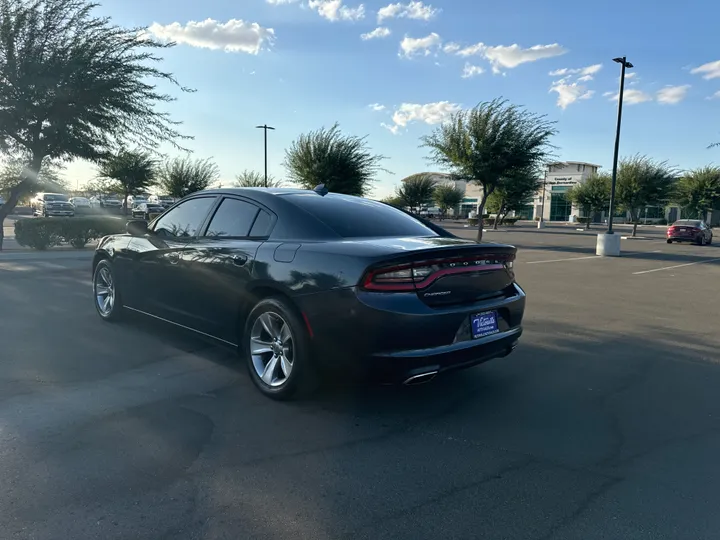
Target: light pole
<point>265,127</point>
<point>608,244</point>
<point>541,223</point>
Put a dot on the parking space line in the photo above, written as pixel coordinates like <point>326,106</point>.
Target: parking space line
<point>563,260</point>
<point>676,266</point>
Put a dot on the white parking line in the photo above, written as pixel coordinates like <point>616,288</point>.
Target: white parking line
<point>563,260</point>
<point>676,266</point>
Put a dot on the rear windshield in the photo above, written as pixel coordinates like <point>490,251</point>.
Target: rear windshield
<point>354,217</point>
<point>55,198</point>
<point>687,224</point>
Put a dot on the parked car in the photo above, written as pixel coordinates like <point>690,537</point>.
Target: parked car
<point>106,201</point>
<point>147,211</point>
<point>52,204</point>
<point>690,230</point>
<point>134,200</point>
<point>80,203</point>
<point>299,280</point>
<point>166,201</point>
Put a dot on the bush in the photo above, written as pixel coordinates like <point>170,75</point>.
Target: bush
<point>663,221</point>
<point>42,233</point>
<point>510,221</point>
<point>473,222</point>
<point>584,220</point>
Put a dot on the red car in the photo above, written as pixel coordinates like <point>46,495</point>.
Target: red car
<point>690,230</point>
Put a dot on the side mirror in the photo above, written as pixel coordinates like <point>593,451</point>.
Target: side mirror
<point>137,227</point>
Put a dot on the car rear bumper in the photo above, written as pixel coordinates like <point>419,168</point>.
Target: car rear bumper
<point>65,213</point>
<point>683,238</point>
<point>392,339</point>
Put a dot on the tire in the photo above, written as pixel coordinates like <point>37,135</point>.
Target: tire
<point>709,241</point>
<point>147,217</point>
<point>104,276</point>
<point>280,341</point>
<point>701,240</point>
<point>669,241</point>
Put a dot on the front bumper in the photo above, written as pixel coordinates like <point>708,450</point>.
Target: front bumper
<point>64,213</point>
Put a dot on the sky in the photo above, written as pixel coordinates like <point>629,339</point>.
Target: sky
<point>394,71</point>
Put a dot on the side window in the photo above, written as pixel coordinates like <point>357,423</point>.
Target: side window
<point>261,227</point>
<point>184,220</point>
<point>233,218</point>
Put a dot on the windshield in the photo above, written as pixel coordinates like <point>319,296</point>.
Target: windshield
<point>55,197</point>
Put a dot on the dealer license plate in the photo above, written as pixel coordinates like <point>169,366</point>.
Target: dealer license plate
<point>484,324</point>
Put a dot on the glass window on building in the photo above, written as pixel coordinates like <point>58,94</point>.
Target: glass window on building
<point>560,206</point>
<point>653,212</point>
<point>525,213</point>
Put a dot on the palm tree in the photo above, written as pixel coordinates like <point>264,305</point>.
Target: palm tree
<point>130,171</point>
<point>491,142</point>
<point>416,191</point>
<point>254,179</point>
<point>344,163</point>
<point>180,177</point>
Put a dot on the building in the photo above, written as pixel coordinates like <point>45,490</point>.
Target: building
<point>551,201</point>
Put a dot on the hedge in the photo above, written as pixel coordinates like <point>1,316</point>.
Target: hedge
<point>43,233</point>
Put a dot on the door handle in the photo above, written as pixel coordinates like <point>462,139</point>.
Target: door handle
<point>239,260</point>
<point>174,258</point>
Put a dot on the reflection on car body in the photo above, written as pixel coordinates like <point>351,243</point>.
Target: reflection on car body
<point>300,280</point>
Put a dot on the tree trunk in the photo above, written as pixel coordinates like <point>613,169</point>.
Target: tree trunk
<point>24,186</point>
<point>634,220</point>
<point>481,212</point>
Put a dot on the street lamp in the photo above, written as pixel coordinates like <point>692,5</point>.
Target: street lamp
<point>265,127</point>
<point>541,223</point>
<point>609,244</point>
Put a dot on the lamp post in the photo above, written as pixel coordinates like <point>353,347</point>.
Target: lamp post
<point>608,244</point>
<point>265,127</point>
<point>541,223</point>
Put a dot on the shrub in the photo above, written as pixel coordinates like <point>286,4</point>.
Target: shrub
<point>663,221</point>
<point>42,233</point>
<point>510,221</point>
<point>473,222</point>
<point>584,220</point>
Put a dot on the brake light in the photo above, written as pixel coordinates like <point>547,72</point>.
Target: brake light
<point>422,274</point>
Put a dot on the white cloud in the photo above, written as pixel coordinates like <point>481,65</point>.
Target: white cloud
<point>377,107</point>
<point>630,75</point>
<point>630,97</point>
<point>586,73</point>
<point>509,56</point>
<point>413,46</point>
<point>471,71</point>
<point>379,32</point>
<point>334,10</point>
<point>716,95</point>
<point>711,70</point>
<point>429,113</point>
<point>671,95</point>
<point>413,10</point>
<point>233,36</point>
<point>569,93</point>
<point>451,48</point>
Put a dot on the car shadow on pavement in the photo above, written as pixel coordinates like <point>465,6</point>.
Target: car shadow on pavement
<point>703,253</point>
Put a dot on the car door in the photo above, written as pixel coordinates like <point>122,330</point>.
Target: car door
<point>158,276</point>
<point>222,262</point>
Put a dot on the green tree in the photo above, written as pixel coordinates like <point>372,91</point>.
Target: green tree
<point>643,182</point>
<point>591,196</point>
<point>447,196</point>
<point>344,163</point>
<point>394,200</point>
<point>513,193</point>
<point>180,177</point>
<point>698,191</point>
<point>491,142</point>
<point>254,179</point>
<point>416,191</point>
<point>131,172</point>
<point>49,178</point>
<point>75,86</point>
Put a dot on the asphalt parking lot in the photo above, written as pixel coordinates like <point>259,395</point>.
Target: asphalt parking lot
<point>604,424</point>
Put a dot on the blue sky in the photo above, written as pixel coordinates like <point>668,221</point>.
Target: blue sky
<point>392,71</point>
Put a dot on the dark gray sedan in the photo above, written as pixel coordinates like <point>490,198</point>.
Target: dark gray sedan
<point>305,280</point>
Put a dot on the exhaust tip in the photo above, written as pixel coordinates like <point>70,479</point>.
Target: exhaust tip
<point>421,378</point>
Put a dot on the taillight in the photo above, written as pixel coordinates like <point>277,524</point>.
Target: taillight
<point>422,274</point>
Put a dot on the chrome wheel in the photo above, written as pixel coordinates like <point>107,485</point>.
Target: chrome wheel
<point>104,286</point>
<point>272,349</point>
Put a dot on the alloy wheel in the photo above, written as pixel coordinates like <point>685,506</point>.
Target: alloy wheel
<point>104,291</point>
<point>272,349</point>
